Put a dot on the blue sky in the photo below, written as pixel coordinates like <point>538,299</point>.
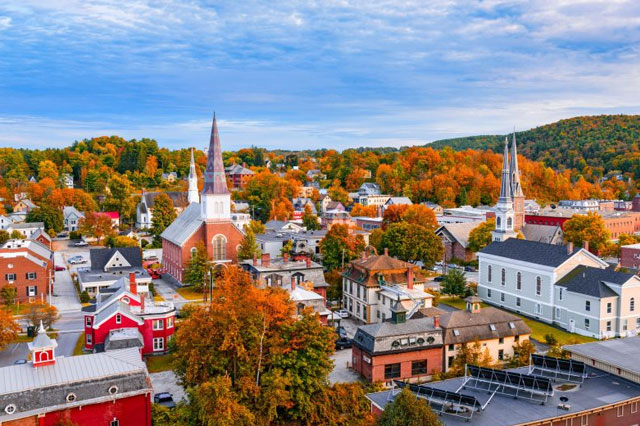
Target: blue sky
<point>309,74</point>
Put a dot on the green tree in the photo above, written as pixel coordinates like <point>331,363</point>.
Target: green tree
<point>480,236</point>
<point>455,283</point>
<point>310,220</point>
<point>163,215</point>
<point>521,353</point>
<point>413,243</point>
<point>195,273</point>
<point>52,217</point>
<point>16,235</point>
<point>471,353</point>
<point>4,236</point>
<point>249,246</point>
<point>256,226</point>
<point>589,227</point>
<point>48,169</point>
<point>119,198</point>
<point>9,294</point>
<point>407,410</point>
<point>339,244</point>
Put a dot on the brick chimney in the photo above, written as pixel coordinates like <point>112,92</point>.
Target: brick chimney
<point>585,245</point>
<point>142,303</point>
<point>133,286</point>
<point>266,259</point>
<point>410,278</point>
<point>308,261</point>
<point>255,259</point>
<point>386,251</point>
<point>570,248</point>
<point>436,321</point>
<point>285,257</point>
<point>293,283</point>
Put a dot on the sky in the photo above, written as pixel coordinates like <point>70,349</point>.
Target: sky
<point>309,74</point>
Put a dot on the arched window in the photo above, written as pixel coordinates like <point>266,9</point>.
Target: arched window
<point>489,273</point>
<point>219,247</point>
<point>509,222</point>
<point>632,304</point>
<point>504,276</point>
<point>519,281</point>
<point>44,356</point>
<point>538,286</point>
<point>193,251</point>
<point>498,222</point>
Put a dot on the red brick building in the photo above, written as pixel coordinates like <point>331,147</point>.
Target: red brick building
<point>455,240</point>
<point>123,316</point>
<point>111,388</point>
<point>28,266</point>
<point>616,222</point>
<point>208,222</point>
<point>398,349</point>
<point>630,256</point>
<point>238,175</point>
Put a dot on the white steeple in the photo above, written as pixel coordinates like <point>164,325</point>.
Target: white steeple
<point>504,208</point>
<point>193,196</point>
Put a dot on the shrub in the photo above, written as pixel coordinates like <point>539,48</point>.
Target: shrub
<point>144,243</point>
<point>84,297</point>
<point>75,235</point>
<point>550,339</point>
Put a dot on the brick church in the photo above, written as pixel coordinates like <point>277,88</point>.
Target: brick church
<point>206,220</point>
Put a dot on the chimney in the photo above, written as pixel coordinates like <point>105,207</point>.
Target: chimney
<point>266,259</point>
<point>255,259</point>
<point>570,248</point>
<point>436,321</point>
<point>142,303</point>
<point>293,283</point>
<point>410,278</point>
<point>285,257</point>
<point>386,251</point>
<point>133,286</point>
<point>585,245</point>
<point>308,260</point>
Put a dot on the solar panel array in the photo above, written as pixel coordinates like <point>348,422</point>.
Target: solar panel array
<point>567,369</point>
<point>444,402</point>
<point>508,383</point>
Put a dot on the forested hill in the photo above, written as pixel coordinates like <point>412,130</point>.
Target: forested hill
<point>594,145</point>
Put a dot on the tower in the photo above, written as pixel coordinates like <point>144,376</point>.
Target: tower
<point>215,196</point>
<point>504,208</point>
<point>516,188</point>
<point>192,195</point>
<point>42,349</point>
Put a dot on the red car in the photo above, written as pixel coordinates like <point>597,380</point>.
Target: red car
<point>154,274</point>
<point>60,268</point>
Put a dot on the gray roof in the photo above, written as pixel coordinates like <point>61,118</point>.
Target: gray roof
<point>238,169</point>
<point>599,389</point>
<point>592,281</point>
<point>477,325</point>
<point>111,310</point>
<point>123,338</point>
<point>459,231</point>
<point>100,257</point>
<point>69,210</point>
<point>620,353</point>
<point>184,226</point>
<point>378,338</point>
<point>529,251</point>
<point>27,225</point>
<point>398,200</point>
<point>179,198</point>
<point>542,233</point>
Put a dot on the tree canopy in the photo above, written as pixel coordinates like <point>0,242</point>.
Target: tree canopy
<point>589,227</point>
<point>339,245</point>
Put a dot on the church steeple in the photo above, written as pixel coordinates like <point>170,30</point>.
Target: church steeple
<point>216,199</point>
<point>192,195</point>
<point>504,208</point>
<point>505,187</point>
<point>516,188</point>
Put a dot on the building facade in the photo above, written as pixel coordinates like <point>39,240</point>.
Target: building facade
<point>28,266</point>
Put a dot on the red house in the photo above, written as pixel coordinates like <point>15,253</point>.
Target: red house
<point>124,317</point>
<point>111,388</point>
<point>28,266</point>
<point>207,222</point>
<point>114,216</point>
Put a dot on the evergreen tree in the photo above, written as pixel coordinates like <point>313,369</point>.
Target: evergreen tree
<point>249,246</point>
<point>455,283</point>
<point>195,273</point>
<point>163,215</point>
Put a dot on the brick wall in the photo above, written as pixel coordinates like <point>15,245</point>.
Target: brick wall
<point>373,371</point>
<point>20,266</point>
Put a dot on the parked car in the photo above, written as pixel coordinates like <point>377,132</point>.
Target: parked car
<point>439,278</point>
<point>154,274</point>
<point>76,260</point>
<point>151,257</point>
<point>60,268</point>
<point>20,361</point>
<point>81,243</point>
<point>342,332</point>
<point>343,313</point>
<point>164,398</point>
<point>62,235</point>
<point>470,269</point>
<point>343,343</point>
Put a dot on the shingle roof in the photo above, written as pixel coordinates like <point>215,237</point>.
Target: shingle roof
<point>179,198</point>
<point>378,338</point>
<point>529,251</point>
<point>592,281</point>
<point>399,200</point>
<point>471,326</point>
<point>184,226</point>
<point>542,233</point>
<point>238,169</point>
<point>459,231</point>
<point>100,257</point>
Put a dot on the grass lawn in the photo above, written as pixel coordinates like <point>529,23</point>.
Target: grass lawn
<point>77,350</point>
<point>538,329</point>
<point>23,338</point>
<point>189,293</point>
<point>156,364</point>
<point>158,298</point>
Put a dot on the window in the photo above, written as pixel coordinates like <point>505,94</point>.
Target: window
<point>118,319</point>
<point>538,309</point>
<point>503,277</point>
<point>115,422</point>
<point>219,247</point>
<point>634,407</point>
<point>158,344</point>
<point>519,281</point>
<point>538,286</point>
<point>621,411</point>
<point>608,325</point>
<point>488,292</point>
<point>489,273</point>
<point>10,277</point>
<point>170,322</point>
<point>608,307</point>
<point>557,313</point>
<point>587,305</point>
<point>501,340</point>
<point>586,323</point>
<point>516,338</point>
<point>392,371</point>
<point>193,251</point>
<point>88,339</point>
<point>456,332</point>
<point>517,301</point>
<point>509,223</point>
<point>637,322</point>
<point>498,221</point>
<point>624,325</point>
<point>87,321</point>
<point>501,354</point>
<point>560,293</point>
<point>502,297</point>
<point>492,327</point>
<point>158,324</point>
<point>32,291</point>
<point>419,367</point>
<point>358,290</point>
<point>450,347</point>
<point>450,361</point>
<point>632,304</point>
<point>584,420</point>
<point>31,275</point>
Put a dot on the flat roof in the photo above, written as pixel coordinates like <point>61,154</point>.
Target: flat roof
<point>621,353</point>
<point>598,389</point>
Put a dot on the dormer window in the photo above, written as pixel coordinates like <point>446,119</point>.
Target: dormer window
<point>456,332</point>
<point>492,327</point>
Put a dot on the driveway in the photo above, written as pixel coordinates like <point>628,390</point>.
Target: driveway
<point>166,381</point>
<point>65,297</point>
<point>341,373</point>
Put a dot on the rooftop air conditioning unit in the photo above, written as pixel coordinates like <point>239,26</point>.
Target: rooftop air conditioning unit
<point>565,407</point>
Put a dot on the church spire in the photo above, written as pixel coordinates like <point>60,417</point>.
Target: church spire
<point>192,195</point>
<point>505,187</point>
<point>215,181</point>
<point>516,188</point>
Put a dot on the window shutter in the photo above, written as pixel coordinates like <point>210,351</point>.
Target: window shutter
<point>26,275</point>
<point>35,287</point>
<point>35,275</point>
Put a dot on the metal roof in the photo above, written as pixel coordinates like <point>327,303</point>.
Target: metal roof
<point>184,226</point>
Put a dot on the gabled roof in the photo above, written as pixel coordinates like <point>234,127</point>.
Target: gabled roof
<point>179,198</point>
<point>100,257</point>
<point>40,233</point>
<point>184,226</point>
<point>471,326</point>
<point>593,281</point>
<point>542,233</point>
<point>27,225</point>
<point>459,231</point>
<point>71,210</point>
<point>237,169</point>
<point>382,262</point>
<point>113,309</point>
<point>398,200</point>
<point>530,251</point>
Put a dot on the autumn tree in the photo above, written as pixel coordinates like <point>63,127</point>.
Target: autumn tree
<point>359,210</point>
<point>455,283</point>
<point>195,273</point>
<point>50,216</point>
<point>407,410</point>
<point>393,214</point>
<point>473,354</point>
<point>48,169</point>
<point>4,236</point>
<point>121,241</point>
<point>338,193</point>
<point>413,243</point>
<point>589,227</point>
<point>9,327</point>
<point>38,312</point>
<point>119,198</point>
<point>16,235</point>
<point>163,215</point>
<point>419,214</point>
<point>339,245</point>
<point>256,227</point>
<point>267,192</point>
<point>310,220</point>
<point>96,225</point>
<point>480,236</point>
<point>249,246</point>
<point>521,353</point>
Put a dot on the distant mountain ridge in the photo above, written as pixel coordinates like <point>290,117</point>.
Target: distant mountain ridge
<point>595,145</point>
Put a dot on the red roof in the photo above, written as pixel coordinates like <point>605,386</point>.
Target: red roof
<point>112,215</point>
